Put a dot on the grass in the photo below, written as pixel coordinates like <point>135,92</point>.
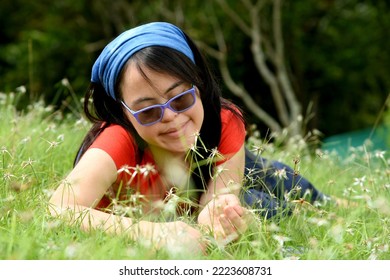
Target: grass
<point>37,148</point>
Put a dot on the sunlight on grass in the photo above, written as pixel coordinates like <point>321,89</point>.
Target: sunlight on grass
<point>37,148</point>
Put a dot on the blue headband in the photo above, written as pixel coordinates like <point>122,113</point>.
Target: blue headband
<point>109,64</point>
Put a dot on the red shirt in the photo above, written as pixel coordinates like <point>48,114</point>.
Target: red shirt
<point>144,178</point>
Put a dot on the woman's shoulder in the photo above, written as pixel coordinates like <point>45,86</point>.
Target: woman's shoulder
<point>114,135</point>
<point>233,131</point>
<point>118,143</point>
<point>231,113</point>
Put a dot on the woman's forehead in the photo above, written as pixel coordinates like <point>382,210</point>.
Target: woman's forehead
<point>139,84</point>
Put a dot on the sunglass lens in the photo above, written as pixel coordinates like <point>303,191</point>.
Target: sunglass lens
<point>149,116</point>
<point>183,102</point>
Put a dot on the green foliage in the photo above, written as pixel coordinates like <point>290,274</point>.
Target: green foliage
<point>339,56</point>
<point>37,149</point>
<point>336,51</point>
<point>44,42</point>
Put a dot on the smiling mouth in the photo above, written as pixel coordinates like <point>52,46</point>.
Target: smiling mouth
<point>175,131</point>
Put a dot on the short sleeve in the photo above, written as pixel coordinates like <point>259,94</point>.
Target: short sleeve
<point>118,144</point>
<point>232,134</point>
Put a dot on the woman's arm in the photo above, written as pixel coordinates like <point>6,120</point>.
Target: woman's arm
<point>222,211</point>
<point>84,187</point>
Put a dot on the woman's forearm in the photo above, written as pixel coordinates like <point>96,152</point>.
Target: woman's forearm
<point>89,219</point>
<point>158,234</point>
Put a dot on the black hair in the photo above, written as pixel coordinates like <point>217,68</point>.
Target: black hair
<point>105,111</point>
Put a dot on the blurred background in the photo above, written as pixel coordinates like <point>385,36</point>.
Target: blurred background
<point>303,67</point>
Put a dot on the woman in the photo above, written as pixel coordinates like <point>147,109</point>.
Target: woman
<point>161,131</point>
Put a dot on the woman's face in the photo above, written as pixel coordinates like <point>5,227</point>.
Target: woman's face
<point>175,132</point>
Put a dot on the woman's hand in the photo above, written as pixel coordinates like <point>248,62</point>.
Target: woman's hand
<point>225,217</point>
<point>176,236</point>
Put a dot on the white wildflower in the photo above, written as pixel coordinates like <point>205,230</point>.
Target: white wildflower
<point>125,169</point>
<point>147,169</point>
<point>28,162</point>
<point>218,170</point>
<point>359,181</point>
<point>214,156</point>
<point>380,154</point>
<point>4,150</point>
<point>280,173</point>
<point>8,176</point>
<point>281,239</point>
<point>318,222</point>
<point>21,89</point>
<point>65,82</point>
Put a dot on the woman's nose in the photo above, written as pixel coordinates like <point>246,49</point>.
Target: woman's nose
<point>168,115</point>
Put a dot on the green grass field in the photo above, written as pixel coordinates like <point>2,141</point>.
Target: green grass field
<point>37,150</point>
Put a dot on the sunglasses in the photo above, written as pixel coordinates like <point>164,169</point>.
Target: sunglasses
<point>154,114</point>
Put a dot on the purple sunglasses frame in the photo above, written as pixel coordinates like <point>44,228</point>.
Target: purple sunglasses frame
<point>167,104</point>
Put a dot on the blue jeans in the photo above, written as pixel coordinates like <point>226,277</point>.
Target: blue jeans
<point>270,185</point>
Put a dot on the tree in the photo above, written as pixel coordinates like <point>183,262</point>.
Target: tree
<point>264,28</point>
<point>267,48</point>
